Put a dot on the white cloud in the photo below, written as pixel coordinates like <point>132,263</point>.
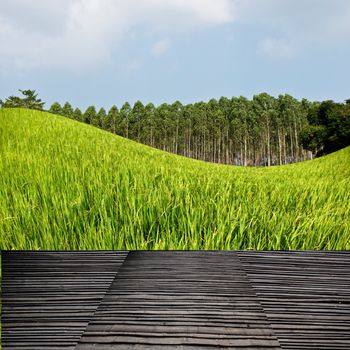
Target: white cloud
<point>295,26</point>
<point>277,48</point>
<point>83,34</point>
<point>160,47</point>
<point>79,34</point>
<point>219,11</point>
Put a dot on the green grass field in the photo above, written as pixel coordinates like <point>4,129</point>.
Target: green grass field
<point>67,185</point>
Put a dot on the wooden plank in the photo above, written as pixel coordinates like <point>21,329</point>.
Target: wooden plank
<point>305,294</point>
<point>49,297</point>
<point>179,300</point>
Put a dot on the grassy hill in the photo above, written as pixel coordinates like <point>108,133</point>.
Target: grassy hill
<point>66,185</point>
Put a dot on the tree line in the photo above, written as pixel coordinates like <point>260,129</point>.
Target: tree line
<point>262,131</point>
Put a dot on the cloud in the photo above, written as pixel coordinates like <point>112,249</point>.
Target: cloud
<point>277,48</point>
<point>219,11</point>
<point>82,37</point>
<point>295,26</point>
<point>80,34</point>
<point>160,47</point>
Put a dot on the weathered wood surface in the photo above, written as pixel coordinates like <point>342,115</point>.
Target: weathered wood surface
<point>181,299</point>
<point>49,297</point>
<point>175,300</point>
<point>305,294</point>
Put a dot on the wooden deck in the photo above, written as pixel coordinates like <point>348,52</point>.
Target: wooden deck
<point>306,296</point>
<point>48,298</point>
<point>175,300</point>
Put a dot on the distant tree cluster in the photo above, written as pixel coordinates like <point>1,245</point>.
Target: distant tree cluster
<point>328,129</point>
<point>29,100</point>
<point>261,131</point>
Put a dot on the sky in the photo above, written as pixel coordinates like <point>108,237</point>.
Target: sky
<point>106,52</point>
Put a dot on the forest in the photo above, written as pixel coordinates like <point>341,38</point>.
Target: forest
<point>262,131</point>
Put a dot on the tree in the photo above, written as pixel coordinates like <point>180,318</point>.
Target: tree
<point>161,117</point>
<point>112,121</point>
<point>67,110</point>
<point>137,114</point>
<point>265,107</point>
<point>90,115</point>
<point>100,118</point>
<point>176,116</point>
<point>241,111</point>
<point>125,116</point>
<point>148,125</point>
<point>30,100</point>
<point>313,137</point>
<point>77,114</point>
<point>55,108</point>
<point>329,128</point>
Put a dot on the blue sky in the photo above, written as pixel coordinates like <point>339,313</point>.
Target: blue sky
<point>106,52</point>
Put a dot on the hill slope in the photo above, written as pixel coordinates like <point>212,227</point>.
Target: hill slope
<point>66,185</point>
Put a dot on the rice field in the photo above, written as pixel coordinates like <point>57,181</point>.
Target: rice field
<point>67,185</point>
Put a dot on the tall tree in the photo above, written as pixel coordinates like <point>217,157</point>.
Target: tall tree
<point>265,107</point>
<point>176,116</point>
<point>112,121</point>
<point>241,110</point>
<point>148,125</point>
<point>100,118</point>
<point>67,110</point>
<point>30,100</point>
<point>136,116</point>
<point>78,115</point>
<point>125,116</point>
<point>90,115</point>
<point>55,108</point>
